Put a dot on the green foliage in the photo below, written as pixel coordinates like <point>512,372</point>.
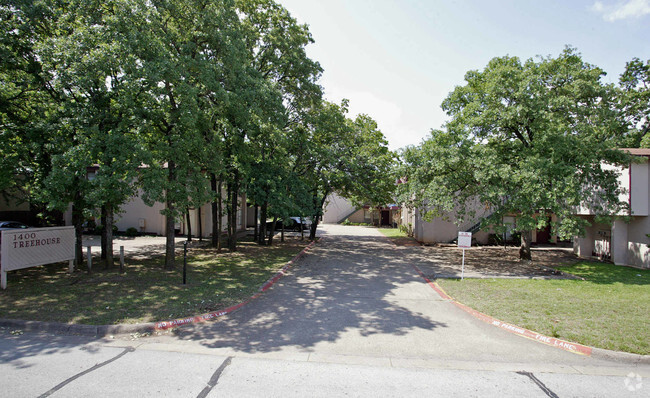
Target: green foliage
<point>131,232</point>
<point>527,139</point>
<point>163,97</point>
<point>635,102</point>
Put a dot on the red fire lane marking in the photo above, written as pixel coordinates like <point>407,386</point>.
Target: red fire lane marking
<point>217,314</point>
<point>529,334</point>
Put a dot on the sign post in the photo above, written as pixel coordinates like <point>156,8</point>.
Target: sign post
<point>464,242</point>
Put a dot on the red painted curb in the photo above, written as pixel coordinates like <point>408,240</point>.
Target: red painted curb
<point>216,314</point>
<point>529,334</point>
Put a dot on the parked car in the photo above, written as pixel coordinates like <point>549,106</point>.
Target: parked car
<point>294,223</point>
<point>291,224</point>
<point>7,225</point>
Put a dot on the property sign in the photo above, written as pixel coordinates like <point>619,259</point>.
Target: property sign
<point>465,240</point>
<point>24,248</point>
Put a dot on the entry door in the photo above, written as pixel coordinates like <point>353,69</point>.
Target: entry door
<point>544,235</point>
<point>385,217</point>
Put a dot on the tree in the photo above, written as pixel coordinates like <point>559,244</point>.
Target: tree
<point>526,139</point>
<point>635,100</point>
<point>276,47</point>
<point>187,58</point>
<point>88,66</point>
<point>350,157</point>
<point>28,104</point>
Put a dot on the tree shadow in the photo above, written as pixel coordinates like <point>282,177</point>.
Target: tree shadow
<point>347,284</point>
<point>16,346</point>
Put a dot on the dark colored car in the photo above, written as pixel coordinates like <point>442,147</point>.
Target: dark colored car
<point>6,225</point>
<point>291,224</point>
<point>294,223</point>
<point>10,225</point>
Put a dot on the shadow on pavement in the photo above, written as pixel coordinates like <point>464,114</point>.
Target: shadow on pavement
<point>347,284</point>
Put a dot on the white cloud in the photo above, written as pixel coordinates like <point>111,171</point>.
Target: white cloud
<point>389,116</point>
<point>622,10</point>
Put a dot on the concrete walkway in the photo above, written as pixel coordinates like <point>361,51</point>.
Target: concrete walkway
<point>356,298</point>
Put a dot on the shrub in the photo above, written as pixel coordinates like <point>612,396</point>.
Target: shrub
<point>131,232</point>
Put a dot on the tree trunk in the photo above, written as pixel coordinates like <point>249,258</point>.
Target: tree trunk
<point>215,211</point>
<point>256,231</point>
<point>316,217</point>
<point>77,222</point>
<point>200,225</point>
<point>524,250</point>
<point>219,215</point>
<point>103,233</point>
<point>272,231</point>
<point>189,225</point>
<point>302,230</point>
<point>170,243</point>
<point>262,233</point>
<point>108,230</point>
<point>232,241</point>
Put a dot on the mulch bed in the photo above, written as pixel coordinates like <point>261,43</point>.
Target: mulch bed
<point>500,261</point>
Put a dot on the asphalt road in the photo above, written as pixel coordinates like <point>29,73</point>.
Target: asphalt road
<point>352,318</point>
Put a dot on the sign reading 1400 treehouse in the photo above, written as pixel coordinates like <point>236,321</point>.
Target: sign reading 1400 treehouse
<point>24,248</point>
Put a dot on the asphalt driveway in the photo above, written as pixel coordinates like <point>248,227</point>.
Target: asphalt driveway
<point>353,317</point>
<point>356,298</point>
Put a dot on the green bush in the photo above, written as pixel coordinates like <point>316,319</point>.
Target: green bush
<point>404,229</point>
<point>131,232</point>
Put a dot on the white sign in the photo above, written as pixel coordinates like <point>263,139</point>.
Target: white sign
<point>24,248</point>
<point>465,240</point>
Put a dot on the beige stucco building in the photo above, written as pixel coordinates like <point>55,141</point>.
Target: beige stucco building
<point>338,209</point>
<point>149,219</point>
<point>625,242</point>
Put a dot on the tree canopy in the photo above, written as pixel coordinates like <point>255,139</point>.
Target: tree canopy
<point>526,139</point>
<point>178,100</point>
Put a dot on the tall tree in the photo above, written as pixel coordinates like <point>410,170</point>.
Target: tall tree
<point>186,50</point>
<point>276,46</point>
<point>346,156</point>
<point>635,101</point>
<point>526,139</point>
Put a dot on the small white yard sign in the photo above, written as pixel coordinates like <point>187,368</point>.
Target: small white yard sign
<point>24,248</point>
<point>464,242</point>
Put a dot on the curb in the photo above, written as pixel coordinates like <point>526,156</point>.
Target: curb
<point>105,330</point>
<point>569,346</point>
<point>76,329</point>
<point>166,325</point>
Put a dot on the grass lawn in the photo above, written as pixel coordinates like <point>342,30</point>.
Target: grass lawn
<point>609,309</point>
<point>393,232</point>
<point>145,292</point>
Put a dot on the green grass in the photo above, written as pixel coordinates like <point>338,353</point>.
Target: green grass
<point>393,233</point>
<point>609,309</point>
<point>145,292</point>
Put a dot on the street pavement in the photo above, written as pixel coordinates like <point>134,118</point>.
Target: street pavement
<point>353,317</point>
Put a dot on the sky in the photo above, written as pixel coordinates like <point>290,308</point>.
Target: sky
<point>398,60</point>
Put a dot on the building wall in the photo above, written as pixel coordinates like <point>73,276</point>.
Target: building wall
<point>337,209</point>
<point>640,184</point>
<point>136,214</point>
<point>148,219</point>
<point>627,242</point>
<point>439,230</point>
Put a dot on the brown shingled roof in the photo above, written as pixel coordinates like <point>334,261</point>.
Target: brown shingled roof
<point>637,151</point>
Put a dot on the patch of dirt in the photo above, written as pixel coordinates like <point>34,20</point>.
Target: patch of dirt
<point>491,261</point>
